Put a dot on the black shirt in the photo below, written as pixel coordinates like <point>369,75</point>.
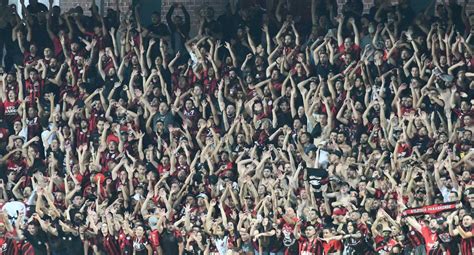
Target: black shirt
<point>421,141</point>
<point>160,29</point>
<point>212,28</point>
<point>324,69</point>
<point>140,246</point>
<point>449,242</point>
<point>179,34</point>
<point>431,106</point>
<point>72,243</point>
<point>169,242</point>
<point>285,118</point>
<point>56,242</point>
<point>231,23</point>
<point>195,250</point>
<point>38,241</point>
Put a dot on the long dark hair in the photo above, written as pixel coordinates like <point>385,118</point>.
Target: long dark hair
<point>345,228</point>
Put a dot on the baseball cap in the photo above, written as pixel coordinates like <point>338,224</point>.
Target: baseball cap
<point>112,138</point>
<point>202,195</point>
<point>339,212</point>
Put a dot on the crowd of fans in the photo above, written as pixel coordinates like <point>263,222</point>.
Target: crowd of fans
<point>272,131</point>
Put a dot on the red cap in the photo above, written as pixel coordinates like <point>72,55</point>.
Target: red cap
<point>339,211</point>
<point>112,138</point>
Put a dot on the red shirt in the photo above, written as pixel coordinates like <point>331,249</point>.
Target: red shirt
<point>354,50</point>
<point>310,247</point>
<point>94,115</point>
<point>404,150</point>
<point>33,89</point>
<point>277,85</point>
<point>82,137</point>
<point>332,246</point>
<point>3,135</point>
<point>415,238</point>
<point>25,248</point>
<point>431,239</point>
<point>7,244</point>
<point>34,128</point>
<point>382,245</point>
<point>209,84</point>
<point>406,111</point>
<point>163,169</point>
<point>100,40</point>
<point>106,157</point>
<point>16,166</point>
<point>58,48</point>
<point>109,244</point>
<point>155,239</point>
<point>467,245</point>
<point>28,58</point>
<point>125,241</point>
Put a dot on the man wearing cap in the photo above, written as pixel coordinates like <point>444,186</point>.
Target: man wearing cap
<point>201,204</point>
<point>383,230</point>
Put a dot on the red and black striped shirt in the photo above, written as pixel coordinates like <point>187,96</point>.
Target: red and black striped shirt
<point>467,245</point>
<point>310,247</point>
<point>82,137</point>
<point>109,244</point>
<point>26,248</point>
<point>34,90</point>
<point>415,238</point>
<point>8,246</point>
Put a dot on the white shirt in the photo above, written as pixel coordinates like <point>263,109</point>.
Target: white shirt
<point>221,245</point>
<point>445,192</point>
<point>24,133</point>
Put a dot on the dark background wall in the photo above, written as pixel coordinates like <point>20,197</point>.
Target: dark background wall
<point>194,6</point>
<point>148,7</point>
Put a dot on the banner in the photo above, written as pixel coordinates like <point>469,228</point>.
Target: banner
<point>317,177</point>
<point>13,209</point>
<point>430,209</point>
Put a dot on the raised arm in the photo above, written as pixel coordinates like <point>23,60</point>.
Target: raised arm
<point>232,54</point>
<point>356,31</point>
<point>340,39</point>
<point>268,40</point>
<point>20,42</point>
<point>415,224</point>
